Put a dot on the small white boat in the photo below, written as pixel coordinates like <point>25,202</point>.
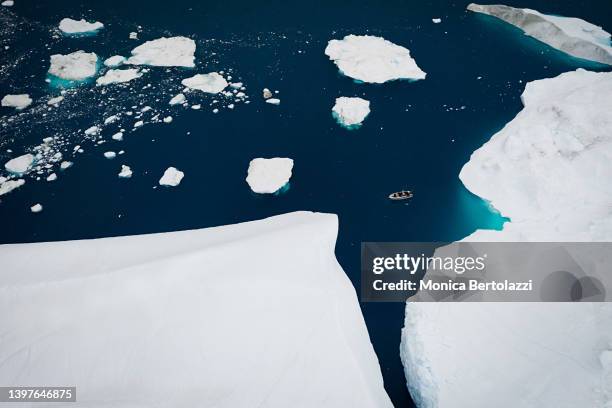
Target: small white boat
<point>401,195</point>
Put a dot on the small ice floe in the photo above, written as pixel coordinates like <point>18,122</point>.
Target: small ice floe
<point>133,35</point>
<point>55,101</point>
<point>52,177</point>
<point>76,66</point>
<point>36,208</point>
<point>210,83</point>
<point>18,102</point>
<point>267,176</point>
<point>436,20</point>
<point>178,99</point>
<point>114,61</point>
<point>350,112</point>
<point>114,76</point>
<point>126,171</point>
<point>273,101</point>
<point>111,119</point>
<point>65,165</point>
<point>172,177</point>
<point>9,185</point>
<point>215,110</point>
<point>236,85</point>
<point>165,52</point>
<point>372,59</point>
<point>117,136</point>
<point>230,106</point>
<point>110,155</point>
<point>167,119</point>
<point>267,94</point>
<point>8,3</point>
<point>92,131</point>
<point>138,124</point>
<point>20,165</point>
<point>70,26</point>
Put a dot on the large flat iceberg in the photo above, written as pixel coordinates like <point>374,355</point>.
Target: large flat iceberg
<point>372,59</point>
<point>165,52</point>
<point>549,171</point>
<point>351,112</point>
<point>20,101</point>
<point>70,26</point>
<point>573,36</point>
<point>210,83</point>
<point>255,314</point>
<point>267,176</point>
<point>76,66</point>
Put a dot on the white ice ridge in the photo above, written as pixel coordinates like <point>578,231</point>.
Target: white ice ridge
<point>351,111</point>
<point>76,66</point>
<point>113,76</point>
<point>114,61</point>
<point>165,52</point>
<point>548,170</point>
<point>18,102</point>
<point>372,59</point>
<point>206,322</point>
<point>172,177</point>
<point>573,36</point>
<point>70,26</point>
<point>20,165</point>
<point>211,83</point>
<point>267,176</point>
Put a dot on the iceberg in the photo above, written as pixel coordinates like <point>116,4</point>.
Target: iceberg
<point>110,155</point>
<point>9,185</point>
<point>548,170</point>
<point>36,208</point>
<point>273,101</point>
<point>572,36</point>
<point>258,313</point>
<point>267,176</point>
<point>55,101</point>
<point>114,76</point>
<point>210,83</point>
<point>126,171</point>
<point>165,52</point>
<point>20,165</point>
<point>8,3</point>
<point>351,112</point>
<point>18,102</point>
<point>172,177</point>
<point>70,26</point>
<point>76,66</point>
<point>177,100</point>
<point>372,59</point>
<point>114,61</point>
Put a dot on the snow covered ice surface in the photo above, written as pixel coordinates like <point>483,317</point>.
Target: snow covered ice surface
<point>9,185</point>
<point>177,99</point>
<point>267,176</point>
<point>273,101</point>
<point>549,171</point>
<point>165,52</point>
<point>372,59</point>
<point>172,177</point>
<point>20,101</point>
<point>113,76</point>
<point>114,61</point>
<point>70,26</point>
<point>350,112</point>
<point>20,165</point>
<point>126,171</point>
<point>210,83</point>
<point>573,36</point>
<point>76,66</point>
<point>36,208</point>
<point>8,3</point>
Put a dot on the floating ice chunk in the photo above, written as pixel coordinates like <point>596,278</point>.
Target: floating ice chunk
<point>76,66</point>
<point>372,59</point>
<point>9,185</point>
<point>138,124</point>
<point>436,20</point>
<point>55,101</point>
<point>267,176</point>
<point>165,52</point>
<point>236,85</point>
<point>8,3</point>
<point>114,61</point>
<point>273,101</point>
<point>350,112</point>
<point>111,119</point>
<point>210,83</point>
<point>65,164</point>
<point>196,107</point>
<point>114,76</point>
<point>178,100</point>
<point>215,110</point>
<point>172,177</point>
<point>36,208</point>
<point>126,171</point>
<point>167,119</point>
<point>20,165</point>
<point>52,177</point>
<point>266,93</point>
<point>117,136</point>
<point>133,35</point>
<point>70,26</point>
<point>573,36</point>
<point>94,130</point>
<point>110,155</point>
<point>19,102</point>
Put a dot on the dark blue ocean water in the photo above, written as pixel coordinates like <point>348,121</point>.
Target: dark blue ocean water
<point>417,136</point>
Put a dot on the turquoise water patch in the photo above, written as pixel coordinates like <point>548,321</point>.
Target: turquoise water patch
<point>341,123</point>
<point>479,211</point>
<point>283,189</point>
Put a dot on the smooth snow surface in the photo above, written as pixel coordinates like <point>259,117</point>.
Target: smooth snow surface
<point>573,36</point>
<point>258,313</point>
<point>114,61</point>
<point>165,52</point>
<point>267,176</point>
<point>19,102</point>
<point>20,165</point>
<point>172,177</point>
<point>549,171</point>
<point>210,83</point>
<point>113,76</point>
<point>70,26</point>
<point>76,66</point>
<point>350,111</point>
<point>372,59</point>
